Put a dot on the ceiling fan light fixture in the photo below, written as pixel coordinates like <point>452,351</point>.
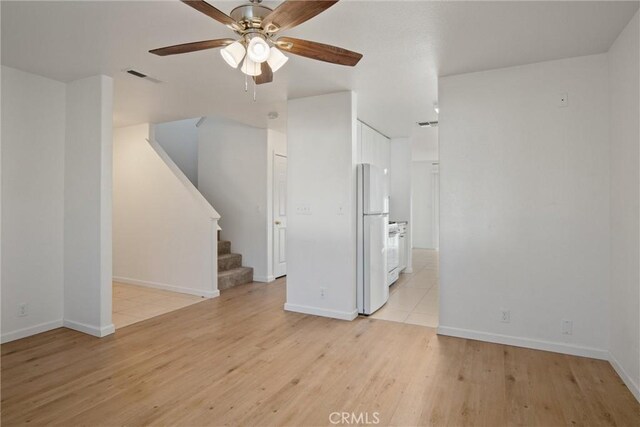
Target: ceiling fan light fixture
<point>254,50</point>
<point>276,59</point>
<point>258,50</point>
<point>233,54</point>
<point>251,68</point>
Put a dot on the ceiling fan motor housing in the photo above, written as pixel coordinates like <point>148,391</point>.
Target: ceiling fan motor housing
<point>250,15</point>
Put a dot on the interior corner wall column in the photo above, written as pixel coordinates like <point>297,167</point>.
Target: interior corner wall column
<point>624,292</point>
<point>321,201</point>
<point>88,205</point>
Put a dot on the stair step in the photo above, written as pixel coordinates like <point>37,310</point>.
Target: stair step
<point>237,276</point>
<point>224,247</point>
<point>229,261</point>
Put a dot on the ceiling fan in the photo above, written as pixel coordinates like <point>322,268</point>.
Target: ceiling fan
<point>257,48</point>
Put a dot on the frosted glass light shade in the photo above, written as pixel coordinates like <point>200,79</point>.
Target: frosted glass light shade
<point>258,50</point>
<point>276,59</point>
<point>233,54</point>
<point>251,68</point>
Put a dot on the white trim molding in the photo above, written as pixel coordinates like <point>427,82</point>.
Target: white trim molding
<point>163,286</point>
<point>188,185</point>
<point>31,330</point>
<point>317,311</point>
<point>264,279</point>
<point>96,331</point>
<point>555,347</point>
<point>628,381</point>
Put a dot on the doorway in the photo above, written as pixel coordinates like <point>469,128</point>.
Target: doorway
<point>414,297</point>
<point>279,215</point>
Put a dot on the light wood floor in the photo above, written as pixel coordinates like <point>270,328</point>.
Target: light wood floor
<point>132,304</point>
<point>241,360</point>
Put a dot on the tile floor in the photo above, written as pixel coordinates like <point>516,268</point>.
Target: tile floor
<point>414,297</point>
<point>132,304</point>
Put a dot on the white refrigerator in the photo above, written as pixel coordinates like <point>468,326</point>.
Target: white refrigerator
<point>373,222</point>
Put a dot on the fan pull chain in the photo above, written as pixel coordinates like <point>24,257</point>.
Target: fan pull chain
<point>254,82</point>
<point>246,85</point>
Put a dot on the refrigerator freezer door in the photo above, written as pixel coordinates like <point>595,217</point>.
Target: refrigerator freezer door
<point>376,291</point>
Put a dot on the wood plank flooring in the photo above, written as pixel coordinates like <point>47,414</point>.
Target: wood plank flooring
<point>241,360</point>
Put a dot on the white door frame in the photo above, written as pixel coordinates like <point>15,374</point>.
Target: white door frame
<point>435,194</point>
<point>278,222</point>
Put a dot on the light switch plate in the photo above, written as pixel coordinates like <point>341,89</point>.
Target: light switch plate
<point>303,209</point>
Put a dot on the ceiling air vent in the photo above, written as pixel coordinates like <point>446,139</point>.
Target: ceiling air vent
<point>141,75</point>
<point>428,124</point>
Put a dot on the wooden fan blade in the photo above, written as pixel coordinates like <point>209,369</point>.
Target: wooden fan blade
<point>319,51</point>
<point>212,12</point>
<point>294,12</point>
<point>266,75</point>
<point>191,47</point>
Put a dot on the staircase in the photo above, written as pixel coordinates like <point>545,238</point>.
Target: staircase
<point>230,270</point>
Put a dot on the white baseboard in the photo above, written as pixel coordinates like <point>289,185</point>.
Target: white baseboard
<point>628,381</point>
<point>163,286</point>
<point>407,270</point>
<point>96,331</point>
<point>31,330</point>
<point>555,347</point>
<point>264,279</point>
<point>316,311</point>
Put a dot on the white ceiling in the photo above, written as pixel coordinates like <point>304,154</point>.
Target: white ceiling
<point>406,45</point>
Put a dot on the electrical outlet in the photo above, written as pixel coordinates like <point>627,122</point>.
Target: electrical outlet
<point>567,327</point>
<point>323,293</point>
<point>505,316</point>
<point>23,310</point>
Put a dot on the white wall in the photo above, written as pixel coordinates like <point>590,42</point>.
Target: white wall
<point>57,204</point>
<point>87,205</point>
<point>400,186</point>
<point>624,339</point>
<point>525,205</point>
<point>164,232</point>
<point>33,135</point>
<point>232,170</point>
<point>400,180</point>
<point>424,143</point>
<point>321,245</point>
<point>179,140</point>
<point>424,229</point>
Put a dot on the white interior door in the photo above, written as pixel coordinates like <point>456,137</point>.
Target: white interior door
<point>279,215</point>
